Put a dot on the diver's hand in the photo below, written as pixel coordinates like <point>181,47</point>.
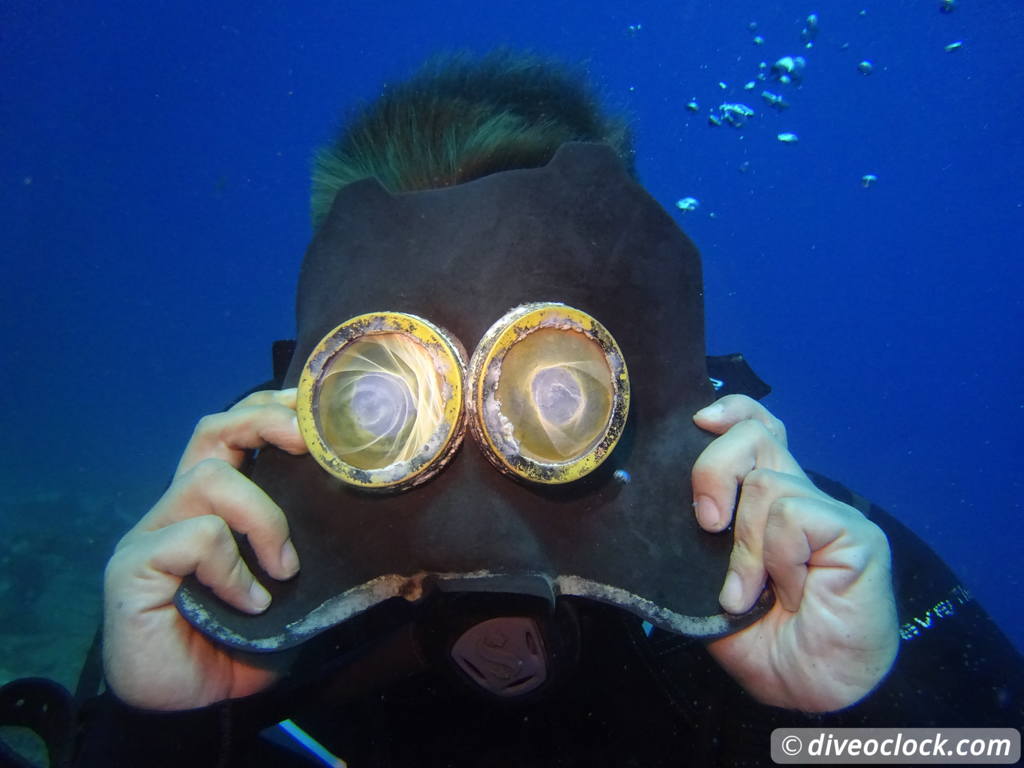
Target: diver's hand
<point>831,635</point>
<point>153,658</point>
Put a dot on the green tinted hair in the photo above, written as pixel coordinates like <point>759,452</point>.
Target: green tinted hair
<point>459,118</point>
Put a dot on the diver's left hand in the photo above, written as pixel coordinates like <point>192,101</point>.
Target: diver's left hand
<point>831,635</point>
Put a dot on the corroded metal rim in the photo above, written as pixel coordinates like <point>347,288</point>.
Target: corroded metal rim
<point>495,433</point>
<point>448,357</point>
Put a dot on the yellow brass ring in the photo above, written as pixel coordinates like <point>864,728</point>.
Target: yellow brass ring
<point>549,393</point>
<point>380,400</point>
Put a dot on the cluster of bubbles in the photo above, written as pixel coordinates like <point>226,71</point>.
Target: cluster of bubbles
<point>775,81</point>
<point>772,80</point>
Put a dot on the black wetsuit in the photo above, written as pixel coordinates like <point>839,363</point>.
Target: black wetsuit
<point>632,698</point>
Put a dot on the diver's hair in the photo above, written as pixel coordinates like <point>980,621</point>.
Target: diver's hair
<point>460,118</point>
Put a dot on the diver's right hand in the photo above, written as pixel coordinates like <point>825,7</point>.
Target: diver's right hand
<point>153,658</point>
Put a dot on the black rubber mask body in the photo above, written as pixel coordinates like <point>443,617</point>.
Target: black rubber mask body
<point>578,231</point>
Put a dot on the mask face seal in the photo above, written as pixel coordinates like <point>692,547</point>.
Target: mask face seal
<point>380,400</point>
<point>549,393</point>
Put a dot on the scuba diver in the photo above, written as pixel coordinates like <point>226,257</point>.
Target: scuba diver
<point>497,506</point>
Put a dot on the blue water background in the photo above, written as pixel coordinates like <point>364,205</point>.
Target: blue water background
<point>154,214</point>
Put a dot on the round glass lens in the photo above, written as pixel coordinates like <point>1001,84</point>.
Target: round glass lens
<point>556,392</point>
<point>379,401</point>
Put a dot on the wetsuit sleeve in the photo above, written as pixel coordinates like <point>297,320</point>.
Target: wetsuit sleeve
<point>955,666</point>
<point>113,734</point>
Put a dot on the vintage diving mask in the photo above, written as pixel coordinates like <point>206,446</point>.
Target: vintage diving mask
<point>553,461</point>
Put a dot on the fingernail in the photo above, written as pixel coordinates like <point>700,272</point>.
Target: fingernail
<point>712,412</point>
<point>707,512</point>
<point>732,593</point>
<point>260,597</point>
<point>289,559</point>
